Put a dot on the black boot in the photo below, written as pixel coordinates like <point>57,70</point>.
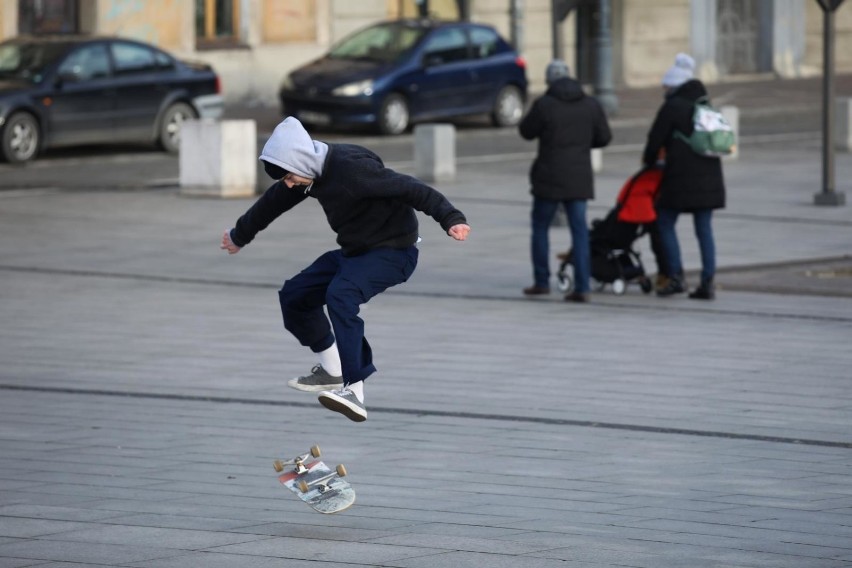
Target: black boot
<point>707,291</point>
<point>672,287</point>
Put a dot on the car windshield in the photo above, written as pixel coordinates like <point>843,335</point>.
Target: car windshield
<point>28,61</point>
<point>385,42</point>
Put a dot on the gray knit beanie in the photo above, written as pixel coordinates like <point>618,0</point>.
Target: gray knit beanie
<point>681,72</point>
<point>556,69</point>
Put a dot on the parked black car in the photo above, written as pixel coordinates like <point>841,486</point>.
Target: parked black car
<point>395,73</point>
<point>71,90</point>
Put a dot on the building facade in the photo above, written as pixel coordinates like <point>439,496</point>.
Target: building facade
<point>253,44</point>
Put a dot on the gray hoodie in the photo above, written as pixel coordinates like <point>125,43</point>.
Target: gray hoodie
<point>291,147</point>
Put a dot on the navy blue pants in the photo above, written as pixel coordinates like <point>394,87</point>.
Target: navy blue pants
<point>543,212</point>
<point>342,284</point>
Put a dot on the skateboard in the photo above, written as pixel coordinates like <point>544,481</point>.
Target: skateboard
<point>322,488</point>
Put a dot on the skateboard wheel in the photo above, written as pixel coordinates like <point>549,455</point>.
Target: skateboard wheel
<point>279,467</point>
<point>315,451</point>
<point>303,486</point>
<point>341,471</point>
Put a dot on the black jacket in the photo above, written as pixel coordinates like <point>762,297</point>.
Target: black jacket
<point>366,204</point>
<point>690,181</point>
<point>568,124</point>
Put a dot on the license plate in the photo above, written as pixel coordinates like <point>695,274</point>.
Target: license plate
<point>314,117</point>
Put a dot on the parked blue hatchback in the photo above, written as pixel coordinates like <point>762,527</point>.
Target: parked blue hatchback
<point>399,72</point>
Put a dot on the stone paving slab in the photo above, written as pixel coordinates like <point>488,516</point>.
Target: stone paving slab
<point>142,395</point>
<point>661,498</point>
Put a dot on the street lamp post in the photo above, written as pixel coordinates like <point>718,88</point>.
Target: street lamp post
<point>604,90</point>
<point>829,195</point>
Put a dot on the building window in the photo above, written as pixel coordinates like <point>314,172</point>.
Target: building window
<point>744,31</point>
<point>440,9</point>
<point>48,16</point>
<point>217,22</point>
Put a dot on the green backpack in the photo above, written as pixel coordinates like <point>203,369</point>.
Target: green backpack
<point>712,134</point>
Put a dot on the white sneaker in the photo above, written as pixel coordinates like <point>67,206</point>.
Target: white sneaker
<point>318,380</point>
<point>345,402</point>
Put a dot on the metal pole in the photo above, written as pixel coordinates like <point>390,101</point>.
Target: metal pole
<point>828,195</point>
<point>517,17</point>
<point>603,50</point>
<point>555,30</point>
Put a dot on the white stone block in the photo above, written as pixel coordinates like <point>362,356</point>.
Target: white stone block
<point>218,158</point>
<point>732,115</point>
<point>435,152</point>
<point>843,130</point>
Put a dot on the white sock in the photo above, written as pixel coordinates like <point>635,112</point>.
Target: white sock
<point>358,390</point>
<point>330,361</point>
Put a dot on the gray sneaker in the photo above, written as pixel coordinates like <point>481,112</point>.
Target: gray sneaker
<point>345,402</point>
<point>318,380</point>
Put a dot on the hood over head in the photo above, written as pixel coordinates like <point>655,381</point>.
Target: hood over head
<point>692,90</point>
<point>291,149</point>
<point>566,89</point>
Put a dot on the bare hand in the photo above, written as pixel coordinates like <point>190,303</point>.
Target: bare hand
<point>459,232</point>
<point>228,244</point>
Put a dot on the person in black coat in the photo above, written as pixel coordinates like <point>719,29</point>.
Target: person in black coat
<point>568,124</point>
<point>691,183</point>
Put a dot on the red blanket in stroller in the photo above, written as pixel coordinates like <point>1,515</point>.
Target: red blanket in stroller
<point>637,196</point>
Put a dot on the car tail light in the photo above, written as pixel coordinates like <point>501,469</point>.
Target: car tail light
<point>218,85</point>
<point>521,62</point>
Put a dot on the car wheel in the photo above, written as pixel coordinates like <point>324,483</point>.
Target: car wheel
<point>170,124</point>
<point>394,115</point>
<point>508,107</point>
<point>21,138</point>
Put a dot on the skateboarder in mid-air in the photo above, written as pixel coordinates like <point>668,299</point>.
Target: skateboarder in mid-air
<point>372,210</point>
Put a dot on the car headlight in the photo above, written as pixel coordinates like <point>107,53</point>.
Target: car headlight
<point>354,89</point>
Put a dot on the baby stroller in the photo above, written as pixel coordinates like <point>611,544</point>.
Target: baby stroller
<point>613,259</point>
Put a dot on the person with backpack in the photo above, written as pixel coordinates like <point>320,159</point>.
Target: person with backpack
<point>692,181</point>
<point>567,124</point>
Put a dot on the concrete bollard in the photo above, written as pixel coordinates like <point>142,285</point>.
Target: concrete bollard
<point>843,132</point>
<point>218,158</point>
<point>435,152</point>
<point>732,115</point>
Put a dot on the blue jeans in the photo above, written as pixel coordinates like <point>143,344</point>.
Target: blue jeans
<point>702,221</point>
<point>543,212</point>
<point>342,284</point>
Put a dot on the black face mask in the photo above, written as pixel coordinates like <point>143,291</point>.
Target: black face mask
<point>273,171</point>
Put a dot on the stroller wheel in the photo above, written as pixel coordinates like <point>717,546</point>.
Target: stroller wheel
<point>563,282</point>
<point>646,284</point>
<point>619,286</point>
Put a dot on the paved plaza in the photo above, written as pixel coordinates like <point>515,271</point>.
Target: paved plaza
<point>143,389</point>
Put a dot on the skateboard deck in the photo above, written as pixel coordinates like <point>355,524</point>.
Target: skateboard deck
<point>321,487</point>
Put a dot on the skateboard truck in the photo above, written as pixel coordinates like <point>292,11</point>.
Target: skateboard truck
<point>321,484</point>
<point>322,488</point>
<point>298,462</point>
